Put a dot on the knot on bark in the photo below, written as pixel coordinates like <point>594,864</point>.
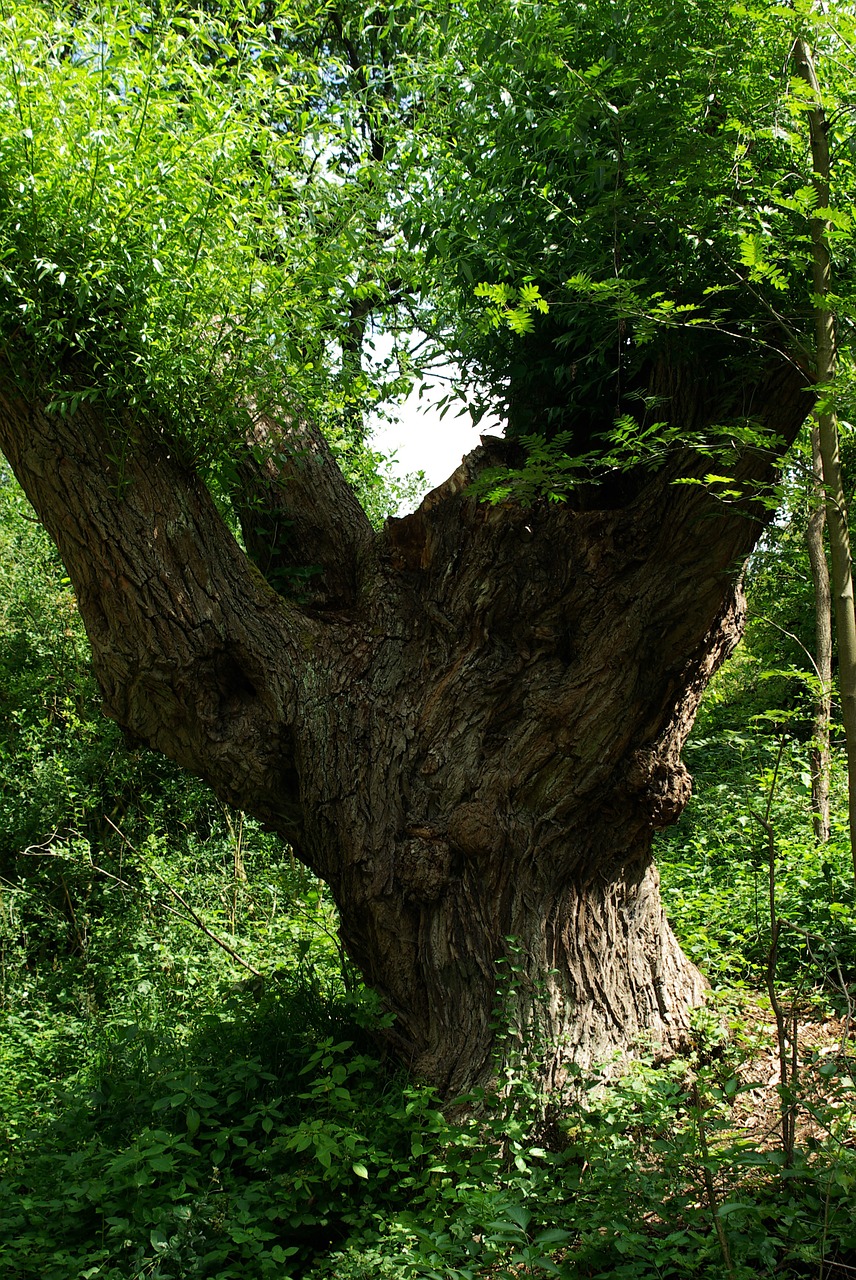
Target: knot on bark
<point>663,785</point>
<point>473,830</point>
<point>423,865</point>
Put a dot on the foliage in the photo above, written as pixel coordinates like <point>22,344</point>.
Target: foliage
<point>194,1159</point>
<point>714,865</point>
<point>189,1079</point>
<point>642,176</point>
<point>174,1161</point>
<point>207,209</point>
<point>174,242</point>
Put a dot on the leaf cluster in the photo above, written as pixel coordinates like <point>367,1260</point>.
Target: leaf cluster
<point>177,235</point>
<point>201,208</point>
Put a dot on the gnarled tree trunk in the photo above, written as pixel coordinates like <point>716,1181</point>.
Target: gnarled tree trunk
<point>469,725</point>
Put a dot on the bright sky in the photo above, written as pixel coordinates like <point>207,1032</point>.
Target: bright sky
<point>423,441</point>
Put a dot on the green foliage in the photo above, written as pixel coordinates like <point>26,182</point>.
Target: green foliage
<point>194,1159</point>
<point>714,867</point>
<point>206,209</point>
<point>177,237</point>
<point>609,1185</point>
<point>552,469</point>
<point>630,164</point>
<point>381,492</point>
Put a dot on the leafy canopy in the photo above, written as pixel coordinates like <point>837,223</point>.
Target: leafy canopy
<point>639,170</point>
<point>201,206</point>
<point>179,226</point>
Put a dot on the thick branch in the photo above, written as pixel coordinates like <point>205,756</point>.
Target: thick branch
<point>302,524</point>
<point>545,586</point>
<point>194,653</point>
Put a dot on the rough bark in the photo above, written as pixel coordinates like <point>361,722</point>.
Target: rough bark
<point>301,522</point>
<point>471,734</point>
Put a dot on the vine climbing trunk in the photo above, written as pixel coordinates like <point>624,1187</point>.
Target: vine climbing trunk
<point>827,423</point>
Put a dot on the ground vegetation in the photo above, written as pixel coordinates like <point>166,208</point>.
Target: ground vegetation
<point>191,1083</point>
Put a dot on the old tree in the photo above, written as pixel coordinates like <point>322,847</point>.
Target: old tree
<point>469,720</point>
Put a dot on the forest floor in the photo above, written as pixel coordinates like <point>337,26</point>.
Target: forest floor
<point>816,1040</point>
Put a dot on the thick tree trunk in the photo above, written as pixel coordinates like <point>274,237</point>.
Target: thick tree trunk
<point>470,728</point>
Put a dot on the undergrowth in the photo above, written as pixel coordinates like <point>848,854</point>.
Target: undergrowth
<point>256,1143</point>
<point>714,864</point>
<point>190,1081</point>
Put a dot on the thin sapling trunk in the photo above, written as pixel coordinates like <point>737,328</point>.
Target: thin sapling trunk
<point>827,425</point>
<point>820,751</point>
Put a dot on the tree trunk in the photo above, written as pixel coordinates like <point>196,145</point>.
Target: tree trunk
<point>827,422</point>
<point>469,725</point>
<point>820,752</point>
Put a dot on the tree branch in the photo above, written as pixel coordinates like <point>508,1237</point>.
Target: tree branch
<point>195,654</point>
<point>301,522</point>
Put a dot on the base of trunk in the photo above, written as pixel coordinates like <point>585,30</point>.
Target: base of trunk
<point>616,978</point>
<point>581,976</point>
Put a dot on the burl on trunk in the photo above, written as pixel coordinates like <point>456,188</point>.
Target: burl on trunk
<point>468,724</point>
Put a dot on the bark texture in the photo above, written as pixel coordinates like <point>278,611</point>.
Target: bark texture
<point>470,726</point>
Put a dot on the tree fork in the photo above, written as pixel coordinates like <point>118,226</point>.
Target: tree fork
<point>478,745</point>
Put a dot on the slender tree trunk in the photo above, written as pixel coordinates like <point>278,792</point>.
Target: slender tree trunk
<point>820,750</point>
<point>827,423</point>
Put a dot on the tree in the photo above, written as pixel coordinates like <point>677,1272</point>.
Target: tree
<point>827,447</point>
<point>822,720</point>
<point>468,722</point>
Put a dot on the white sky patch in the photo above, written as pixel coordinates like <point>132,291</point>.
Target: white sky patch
<point>418,439</point>
<point>421,440</point>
